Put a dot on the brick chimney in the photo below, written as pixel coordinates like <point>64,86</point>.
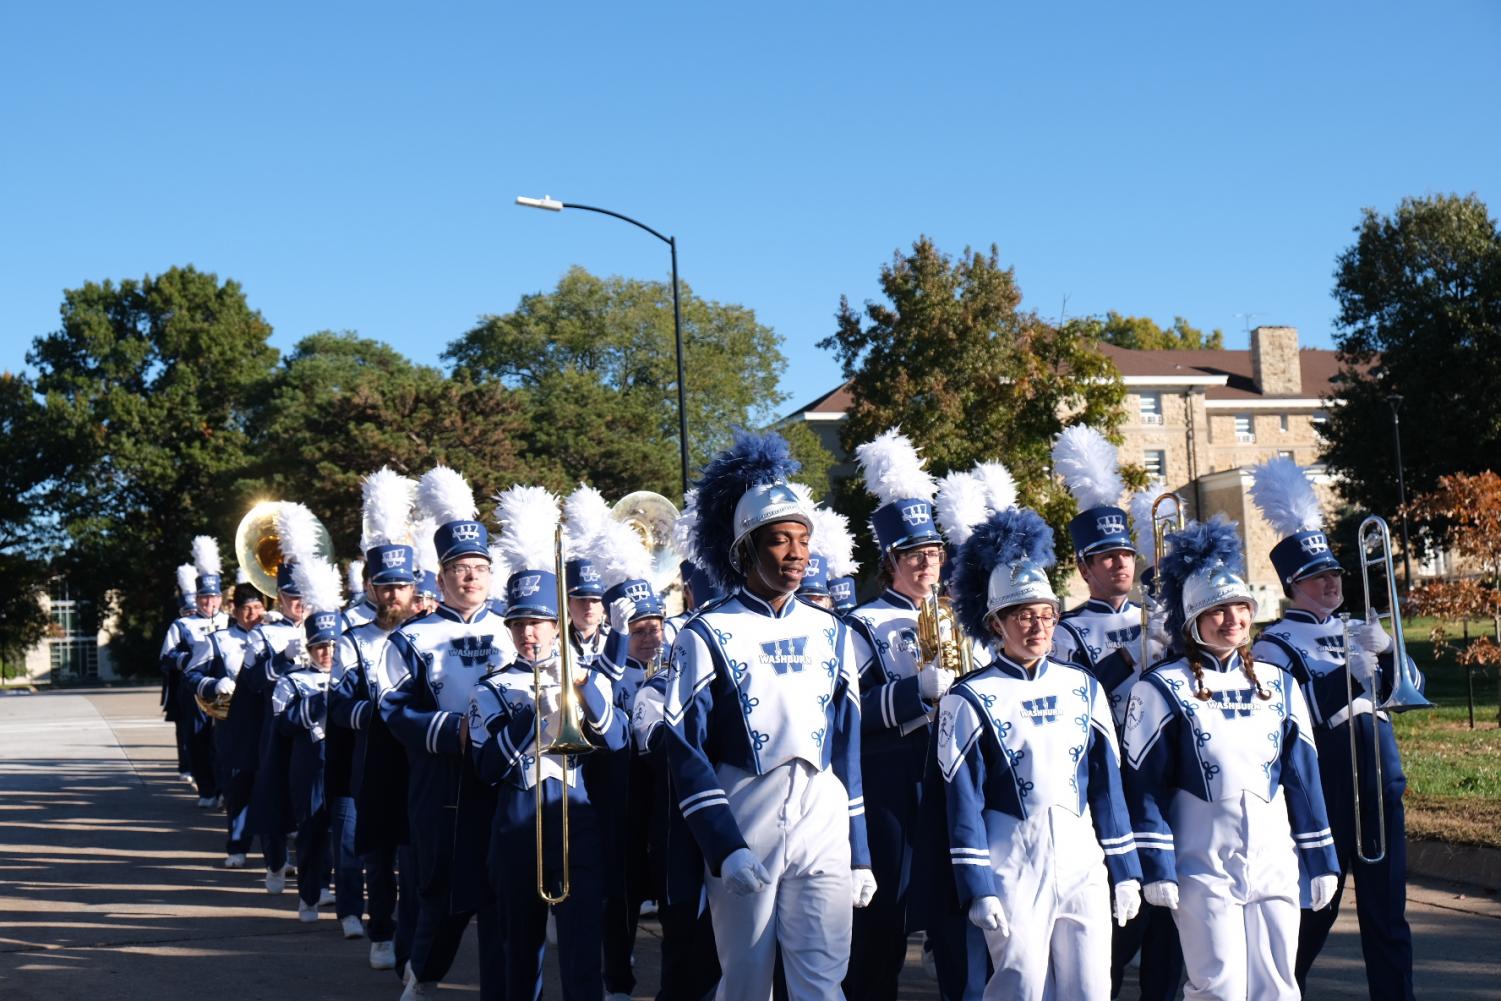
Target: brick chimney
<point>1274,361</point>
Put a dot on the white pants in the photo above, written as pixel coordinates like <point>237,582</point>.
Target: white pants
<point>796,822</point>
<point>1059,946</point>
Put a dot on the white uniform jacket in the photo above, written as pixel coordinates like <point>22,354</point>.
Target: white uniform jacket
<point>1105,642</point>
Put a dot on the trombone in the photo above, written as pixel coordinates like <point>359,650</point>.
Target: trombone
<point>1374,543</point>
<point>1151,593</point>
<point>570,739</point>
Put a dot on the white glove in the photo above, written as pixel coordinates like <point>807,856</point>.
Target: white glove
<point>646,715</point>
<point>552,700</point>
<point>934,683</point>
<point>295,649</point>
<point>744,874</point>
<point>1363,665</point>
<point>621,610</point>
<point>317,732</point>
<point>862,886</point>
<point>224,687</point>
<point>1127,901</point>
<point>1321,890</point>
<point>1370,636</point>
<point>1163,893</point>
<point>987,914</point>
<point>1158,640</point>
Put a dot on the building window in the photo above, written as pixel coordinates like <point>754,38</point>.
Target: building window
<point>1151,408</point>
<point>74,643</point>
<point>1244,430</point>
<point>1283,421</point>
<point>1284,453</point>
<point>1318,421</point>
<point>1155,461</point>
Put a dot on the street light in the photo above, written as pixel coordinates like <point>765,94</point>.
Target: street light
<point>553,205</point>
<point>1394,400</point>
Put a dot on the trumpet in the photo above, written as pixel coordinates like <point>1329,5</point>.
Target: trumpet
<point>1374,542</point>
<point>939,637</point>
<point>570,740</point>
<point>1152,594</point>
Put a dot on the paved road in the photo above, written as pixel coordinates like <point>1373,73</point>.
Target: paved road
<point>110,887</point>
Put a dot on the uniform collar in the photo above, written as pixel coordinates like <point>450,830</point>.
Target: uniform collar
<point>763,607</point>
<point>894,597</point>
<point>452,615</point>
<point>1100,606</point>
<point>1230,663</point>
<point>1013,669</point>
<point>1304,615</point>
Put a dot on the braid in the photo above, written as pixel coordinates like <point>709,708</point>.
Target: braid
<point>1192,649</point>
<point>1245,667</point>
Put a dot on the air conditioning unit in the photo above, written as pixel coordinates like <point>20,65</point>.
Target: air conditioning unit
<point>1245,437</point>
<point>1151,418</point>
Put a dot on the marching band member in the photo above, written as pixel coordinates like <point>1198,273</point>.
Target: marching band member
<point>361,608</point>
<point>1308,642</point>
<point>1037,820</point>
<point>764,740</point>
<point>195,746</point>
<point>378,779</point>
<point>899,695</point>
<point>1223,782</point>
<point>843,594</point>
<point>585,514</point>
<point>503,727</point>
<point>212,673</point>
<point>1103,636</point>
<point>431,666</point>
<point>299,703</point>
<point>832,553</point>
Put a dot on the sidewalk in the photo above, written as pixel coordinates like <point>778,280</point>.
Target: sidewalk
<point>111,887</point>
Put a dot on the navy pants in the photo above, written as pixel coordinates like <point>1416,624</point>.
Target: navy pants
<point>312,856</point>
<point>349,873</point>
<point>391,881</point>
<point>1153,933</point>
<point>690,960</point>
<point>893,802</point>
<point>1381,888</point>
<point>236,788</point>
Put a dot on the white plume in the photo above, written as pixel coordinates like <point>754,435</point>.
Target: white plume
<point>298,532</point>
<point>1141,518</point>
<point>683,528</point>
<point>621,555</point>
<point>1089,466</point>
<point>318,580</point>
<point>585,512</point>
<point>444,496</point>
<point>1286,497</point>
<point>206,554</point>
<point>241,577</point>
<point>528,519</point>
<point>386,509</point>
<point>892,468</point>
<point>960,505</point>
<point>355,578</point>
<point>425,543</point>
<point>833,541</point>
<point>999,484</point>
<point>500,572</point>
<point>187,581</point>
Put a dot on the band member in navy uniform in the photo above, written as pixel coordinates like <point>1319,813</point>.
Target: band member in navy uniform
<point>431,666</point>
<point>764,738</point>
<point>212,674</point>
<point>1038,824</point>
<point>195,741</point>
<point>1223,781</point>
<point>378,777</point>
<point>503,726</point>
<point>1309,642</point>
<point>1103,636</point>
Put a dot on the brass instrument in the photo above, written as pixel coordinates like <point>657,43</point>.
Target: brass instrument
<point>1151,594</point>
<point>939,637</point>
<point>652,516</point>
<point>1374,543</point>
<point>258,546</point>
<point>215,708</point>
<point>570,739</point>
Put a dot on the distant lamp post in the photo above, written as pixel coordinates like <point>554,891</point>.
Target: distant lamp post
<point>1394,400</point>
<point>553,205</point>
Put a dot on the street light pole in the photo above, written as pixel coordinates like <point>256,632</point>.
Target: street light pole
<point>1394,401</point>
<point>553,205</point>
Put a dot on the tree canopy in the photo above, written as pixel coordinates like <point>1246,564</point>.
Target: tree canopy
<point>1141,333</point>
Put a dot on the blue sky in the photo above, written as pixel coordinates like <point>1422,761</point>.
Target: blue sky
<point>353,165</point>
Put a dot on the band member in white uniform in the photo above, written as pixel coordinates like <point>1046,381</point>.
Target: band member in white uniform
<point>1309,642</point>
<point>1038,824</point>
<point>1223,782</point>
<point>764,738</point>
<point>195,740</point>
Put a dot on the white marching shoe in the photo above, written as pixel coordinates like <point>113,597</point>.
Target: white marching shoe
<point>234,860</point>
<point>326,897</point>
<point>207,802</point>
<point>418,989</point>
<point>352,926</point>
<point>382,955</point>
<point>276,880</point>
<point>307,913</point>
<point>618,996</point>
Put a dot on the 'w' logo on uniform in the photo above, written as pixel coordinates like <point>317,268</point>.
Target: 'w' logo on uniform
<point>471,650</point>
<point>1235,703</point>
<point>785,655</point>
<point>1040,711</point>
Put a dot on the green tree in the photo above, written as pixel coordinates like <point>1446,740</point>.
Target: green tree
<point>1419,296</point>
<point>952,359</point>
<point>23,567</point>
<point>1141,333</point>
<point>595,366</point>
<point>146,388</point>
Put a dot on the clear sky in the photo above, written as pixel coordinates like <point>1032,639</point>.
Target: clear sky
<point>353,165</point>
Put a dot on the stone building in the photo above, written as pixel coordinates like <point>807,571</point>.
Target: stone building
<point>1198,420</point>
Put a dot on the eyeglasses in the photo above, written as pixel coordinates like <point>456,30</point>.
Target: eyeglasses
<point>1029,619</point>
<point>921,557</point>
<point>467,571</point>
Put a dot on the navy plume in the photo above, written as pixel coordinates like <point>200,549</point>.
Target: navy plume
<point>1199,546</point>
<point>1005,538</point>
<point>752,459</point>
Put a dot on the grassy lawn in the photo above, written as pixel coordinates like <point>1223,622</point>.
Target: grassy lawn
<point>1453,772</point>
